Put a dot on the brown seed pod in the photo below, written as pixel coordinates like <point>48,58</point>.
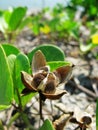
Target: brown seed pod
<point>37,79</point>
<point>50,87</point>
<point>86,120</point>
<point>38,61</point>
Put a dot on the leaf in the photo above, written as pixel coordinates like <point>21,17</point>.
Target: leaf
<point>11,60</point>
<point>56,64</point>
<point>10,49</point>
<point>6,83</point>
<point>47,125</point>
<point>36,28</point>
<point>7,15</point>
<point>21,63</point>
<point>16,17</point>
<point>3,107</point>
<point>36,24</point>
<point>24,22</point>
<point>27,98</point>
<point>3,24</point>
<point>51,52</point>
<point>86,48</point>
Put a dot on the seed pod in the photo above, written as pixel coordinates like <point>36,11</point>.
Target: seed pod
<point>50,87</point>
<point>37,79</point>
<point>86,120</point>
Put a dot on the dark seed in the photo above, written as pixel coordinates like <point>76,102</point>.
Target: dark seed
<point>50,87</point>
<point>86,119</point>
<point>37,79</point>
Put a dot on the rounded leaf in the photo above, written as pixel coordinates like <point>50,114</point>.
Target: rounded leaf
<point>47,125</point>
<point>6,83</point>
<point>11,60</point>
<point>10,49</point>
<point>51,52</point>
<point>16,17</point>
<point>56,64</point>
<point>21,64</point>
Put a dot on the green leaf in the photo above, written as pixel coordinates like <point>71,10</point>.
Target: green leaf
<point>11,60</point>
<point>36,24</point>
<point>86,48</point>
<point>10,49</point>
<point>6,83</point>
<point>16,17</point>
<point>3,24</point>
<point>24,22</point>
<point>56,64</point>
<point>21,64</point>
<point>7,15</point>
<point>51,52</point>
<point>47,125</point>
<point>97,116</point>
<point>3,107</point>
<point>36,29</point>
<point>25,99</point>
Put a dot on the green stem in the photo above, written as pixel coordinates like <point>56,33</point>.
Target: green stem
<point>26,120</point>
<point>24,117</point>
<point>13,118</point>
<point>19,99</point>
<point>1,126</point>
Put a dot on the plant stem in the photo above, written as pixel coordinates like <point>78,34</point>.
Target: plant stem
<point>24,117</point>
<point>13,118</point>
<point>26,120</point>
<point>1,126</point>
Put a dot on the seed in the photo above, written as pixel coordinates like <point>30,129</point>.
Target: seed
<point>50,87</point>
<point>86,119</point>
<point>37,79</point>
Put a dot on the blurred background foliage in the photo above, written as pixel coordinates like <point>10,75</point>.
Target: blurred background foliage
<point>67,21</point>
